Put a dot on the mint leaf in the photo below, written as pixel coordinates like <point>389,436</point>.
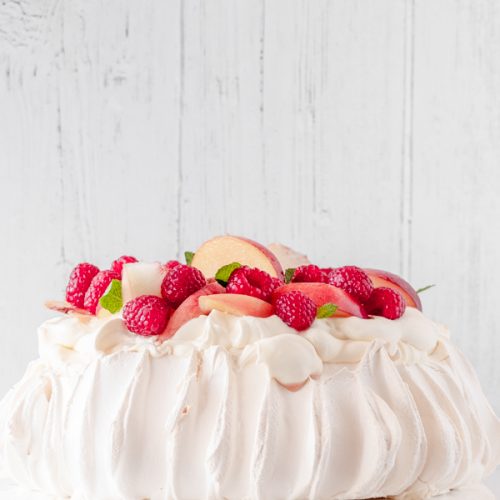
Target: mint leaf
<point>189,257</point>
<point>326,310</point>
<point>112,299</point>
<point>423,289</point>
<point>224,273</point>
<point>289,274</point>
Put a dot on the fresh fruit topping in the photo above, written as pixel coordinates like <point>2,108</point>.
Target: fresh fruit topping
<point>386,302</point>
<point>189,309</point>
<point>326,310</point>
<point>353,280</point>
<point>296,309</point>
<point>171,264</point>
<point>117,264</point>
<point>180,282</point>
<point>390,280</point>
<point>217,252</point>
<point>309,274</point>
<point>287,257</point>
<point>65,308</point>
<point>79,281</point>
<point>97,288</point>
<point>146,315</point>
<point>112,299</point>
<point>322,293</point>
<point>252,281</point>
<point>224,273</point>
<point>142,278</point>
<point>233,303</point>
<point>189,257</point>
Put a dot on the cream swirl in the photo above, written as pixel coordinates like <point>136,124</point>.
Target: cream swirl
<point>291,358</point>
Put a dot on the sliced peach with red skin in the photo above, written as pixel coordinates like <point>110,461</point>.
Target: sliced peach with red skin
<point>322,293</point>
<point>222,250</point>
<point>64,307</point>
<point>385,278</point>
<point>237,304</point>
<point>189,309</point>
<point>287,256</point>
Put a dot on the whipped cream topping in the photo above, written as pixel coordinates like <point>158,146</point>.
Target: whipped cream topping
<point>290,357</point>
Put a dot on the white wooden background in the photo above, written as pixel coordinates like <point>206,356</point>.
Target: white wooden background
<point>361,132</point>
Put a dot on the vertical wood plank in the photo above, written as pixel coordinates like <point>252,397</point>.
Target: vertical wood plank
<point>456,173</point>
<point>120,87</point>
<point>333,128</point>
<point>31,196</point>
<point>89,141</point>
<point>221,149</point>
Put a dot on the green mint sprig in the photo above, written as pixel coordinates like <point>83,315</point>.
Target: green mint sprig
<point>224,273</point>
<point>289,274</point>
<point>189,257</point>
<point>326,310</point>
<point>423,289</point>
<point>112,300</point>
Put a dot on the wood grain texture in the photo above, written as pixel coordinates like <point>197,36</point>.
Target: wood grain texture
<point>456,174</point>
<point>360,132</point>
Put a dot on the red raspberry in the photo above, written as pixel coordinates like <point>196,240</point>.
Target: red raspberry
<point>252,281</point>
<point>181,282</point>
<point>353,280</point>
<point>97,288</point>
<point>386,302</point>
<point>146,315</point>
<point>79,281</point>
<point>171,264</point>
<point>117,264</point>
<point>309,274</point>
<point>275,283</point>
<point>296,309</point>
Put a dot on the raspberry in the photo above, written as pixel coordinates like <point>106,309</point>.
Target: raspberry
<point>97,287</point>
<point>353,280</point>
<point>180,282</point>
<point>309,274</point>
<point>79,281</point>
<point>171,264</point>
<point>252,281</point>
<point>296,310</point>
<point>117,264</point>
<point>275,283</point>
<point>146,315</point>
<point>386,302</point>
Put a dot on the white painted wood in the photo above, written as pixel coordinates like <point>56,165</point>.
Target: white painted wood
<point>360,132</point>
<point>456,174</point>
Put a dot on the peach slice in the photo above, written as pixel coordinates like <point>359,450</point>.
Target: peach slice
<point>189,309</point>
<point>322,293</point>
<point>384,278</point>
<point>288,258</point>
<point>66,308</point>
<point>222,250</point>
<point>237,304</point>
<point>142,278</point>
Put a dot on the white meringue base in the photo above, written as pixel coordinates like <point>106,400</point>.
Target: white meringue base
<point>135,425</point>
